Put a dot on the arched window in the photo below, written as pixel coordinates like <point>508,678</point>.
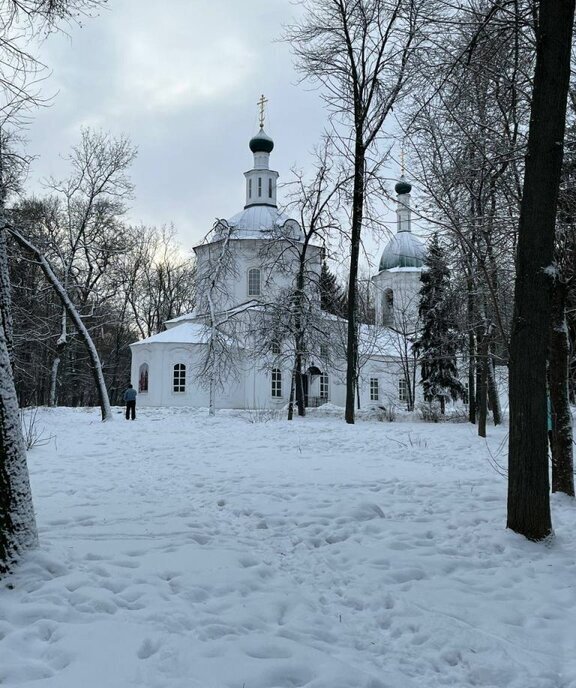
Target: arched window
<point>250,188</point>
<point>270,188</point>
<point>254,282</point>
<point>388,307</point>
<point>259,186</point>
<point>179,379</point>
<point>276,383</point>
<point>275,347</point>
<point>143,378</point>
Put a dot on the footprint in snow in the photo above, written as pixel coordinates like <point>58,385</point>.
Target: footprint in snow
<point>148,648</point>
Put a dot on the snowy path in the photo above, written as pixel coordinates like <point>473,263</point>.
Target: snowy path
<point>181,551</point>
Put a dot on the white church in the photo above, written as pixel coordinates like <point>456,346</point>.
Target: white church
<point>236,349</point>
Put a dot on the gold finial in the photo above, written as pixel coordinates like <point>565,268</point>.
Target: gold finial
<point>262,104</point>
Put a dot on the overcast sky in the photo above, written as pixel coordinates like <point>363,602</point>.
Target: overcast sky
<point>181,78</point>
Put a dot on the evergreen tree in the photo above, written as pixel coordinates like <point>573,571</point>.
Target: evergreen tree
<point>438,341</point>
<point>332,296</point>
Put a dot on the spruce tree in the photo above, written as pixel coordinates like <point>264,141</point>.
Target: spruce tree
<point>332,296</point>
<point>437,344</point>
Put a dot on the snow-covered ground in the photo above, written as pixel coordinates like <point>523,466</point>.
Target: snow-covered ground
<point>183,551</point>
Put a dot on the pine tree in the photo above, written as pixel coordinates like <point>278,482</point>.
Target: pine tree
<point>438,341</point>
<point>332,296</point>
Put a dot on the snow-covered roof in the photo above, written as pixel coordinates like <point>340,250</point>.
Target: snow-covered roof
<point>184,333</point>
<point>258,221</point>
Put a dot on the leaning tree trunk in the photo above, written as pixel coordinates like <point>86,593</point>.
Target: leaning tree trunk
<point>562,456</point>
<point>528,486</point>
<point>74,316</point>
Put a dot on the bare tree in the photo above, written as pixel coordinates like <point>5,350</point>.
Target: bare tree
<point>220,354</point>
<point>74,316</point>
<point>361,53</point>
<point>294,317</point>
<point>158,280</point>
<point>81,228</point>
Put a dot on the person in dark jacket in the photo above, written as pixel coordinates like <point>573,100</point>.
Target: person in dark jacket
<point>130,399</point>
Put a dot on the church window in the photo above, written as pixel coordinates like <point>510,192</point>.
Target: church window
<point>143,378</point>
<point>403,389</point>
<point>323,386</point>
<point>254,282</point>
<point>179,379</point>
<point>276,383</point>
<point>250,188</point>
<point>270,188</point>
<point>259,186</point>
<point>275,347</point>
<point>324,350</point>
<point>374,391</point>
<point>388,307</point>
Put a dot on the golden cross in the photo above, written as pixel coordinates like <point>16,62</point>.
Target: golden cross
<point>402,161</point>
<point>262,104</point>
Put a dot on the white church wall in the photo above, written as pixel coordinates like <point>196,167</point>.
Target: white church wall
<point>405,286</point>
<point>276,260</point>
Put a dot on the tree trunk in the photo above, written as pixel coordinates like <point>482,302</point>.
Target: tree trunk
<point>291,399</point>
<point>471,379</point>
<point>528,486</point>
<point>562,456</point>
<point>212,397</point>
<point>5,292</point>
<point>352,340</point>
<point>52,401</point>
<point>492,389</point>
<point>17,522</point>
<point>482,386</point>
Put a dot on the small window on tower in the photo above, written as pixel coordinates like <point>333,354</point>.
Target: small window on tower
<point>249,188</point>
<point>254,282</point>
<point>259,186</point>
<point>270,188</point>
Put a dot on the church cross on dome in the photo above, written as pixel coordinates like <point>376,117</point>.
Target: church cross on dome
<point>262,105</point>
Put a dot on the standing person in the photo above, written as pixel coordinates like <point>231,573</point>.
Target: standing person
<point>130,399</point>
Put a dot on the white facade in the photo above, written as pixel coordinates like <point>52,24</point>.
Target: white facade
<point>221,353</point>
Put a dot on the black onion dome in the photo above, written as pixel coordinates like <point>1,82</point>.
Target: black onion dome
<point>261,143</point>
<point>403,187</point>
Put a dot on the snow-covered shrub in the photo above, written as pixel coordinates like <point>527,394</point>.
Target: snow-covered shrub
<point>34,435</point>
<point>430,412</point>
<point>264,415</point>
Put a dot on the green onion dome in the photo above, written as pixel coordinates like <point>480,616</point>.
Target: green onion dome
<point>403,187</point>
<point>261,143</point>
